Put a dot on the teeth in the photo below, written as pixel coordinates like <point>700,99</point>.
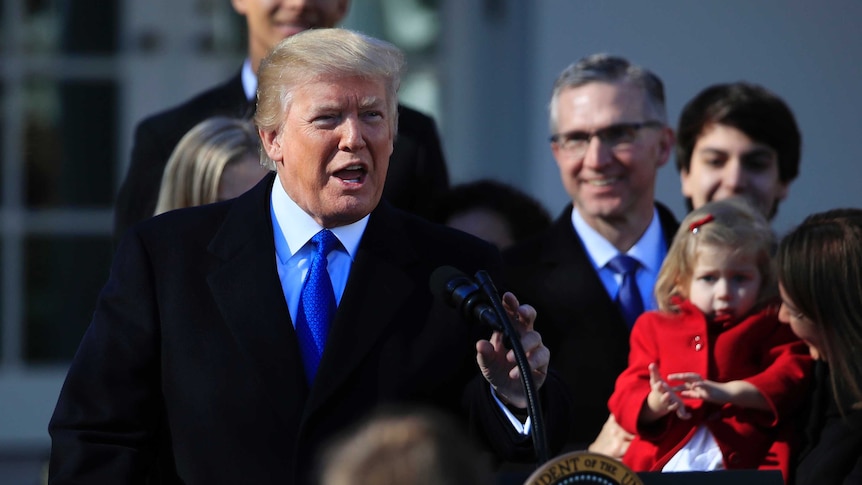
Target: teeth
<point>601,182</point>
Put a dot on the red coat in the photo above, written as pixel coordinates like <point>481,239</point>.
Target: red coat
<point>758,349</point>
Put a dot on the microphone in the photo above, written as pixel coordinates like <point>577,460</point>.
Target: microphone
<point>482,304</point>
<point>456,289</point>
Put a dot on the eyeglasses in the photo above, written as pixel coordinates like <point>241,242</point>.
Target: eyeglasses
<point>619,137</point>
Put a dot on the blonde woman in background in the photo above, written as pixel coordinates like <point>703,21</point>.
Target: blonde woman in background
<point>218,159</point>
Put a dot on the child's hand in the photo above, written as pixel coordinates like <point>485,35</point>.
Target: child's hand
<point>739,393</point>
<point>662,400</point>
<point>696,387</point>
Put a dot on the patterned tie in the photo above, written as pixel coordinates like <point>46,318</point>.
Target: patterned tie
<point>316,304</point>
<point>629,298</point>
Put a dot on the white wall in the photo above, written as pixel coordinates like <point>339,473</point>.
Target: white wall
<point>809,53</point>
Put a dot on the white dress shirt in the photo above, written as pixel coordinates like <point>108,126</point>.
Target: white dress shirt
<point>249,81</point>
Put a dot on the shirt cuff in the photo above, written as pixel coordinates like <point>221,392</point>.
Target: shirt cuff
<point>521,428</point>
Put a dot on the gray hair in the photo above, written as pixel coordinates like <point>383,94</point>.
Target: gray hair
<point>319,53</point>
<point>610,69</point>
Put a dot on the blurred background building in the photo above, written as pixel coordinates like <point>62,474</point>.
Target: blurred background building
<point>76,75</point>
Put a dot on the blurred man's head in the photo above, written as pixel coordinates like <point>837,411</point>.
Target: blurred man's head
<point>270,21</point>
<point>737,139</point>
<point>609,137</point>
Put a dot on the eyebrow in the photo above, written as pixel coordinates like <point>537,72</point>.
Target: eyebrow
<point>760,150</point>
<point>364,103</point>
<point>370,102</point>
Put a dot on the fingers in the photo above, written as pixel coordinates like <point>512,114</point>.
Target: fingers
<point>675,404</point>
<point>613,440</point>
<point>524,315</point>
<point>685,377</point>
<point>485,353</point>
<point>654,374</point>
<point>670,400</point>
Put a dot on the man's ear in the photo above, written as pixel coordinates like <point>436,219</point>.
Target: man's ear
<point>239,6</point>
<point>666,144</point>
<point>271,143</point>
<point>783,189</point>
<point>685,183</point>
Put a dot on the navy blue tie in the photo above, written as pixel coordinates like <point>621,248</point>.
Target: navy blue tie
<point>629,298</point>
<point>316,304</point>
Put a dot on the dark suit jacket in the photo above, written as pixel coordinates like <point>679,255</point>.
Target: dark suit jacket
<point>832,443</point>
<point>417,169</point>
<point>578,321</point>
<point>190,368</point>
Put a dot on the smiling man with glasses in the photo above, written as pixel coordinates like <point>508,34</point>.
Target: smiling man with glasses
<point>609,138</point>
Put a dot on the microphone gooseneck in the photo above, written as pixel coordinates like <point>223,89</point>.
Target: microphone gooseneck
<point>483,304</point>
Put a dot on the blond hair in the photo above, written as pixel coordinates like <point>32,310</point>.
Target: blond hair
<point>194,170</point>
<point>323,53</point>
<point>730,223</point>
<point>419,447</point>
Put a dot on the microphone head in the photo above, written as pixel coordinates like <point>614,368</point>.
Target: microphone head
<point>441,282</point>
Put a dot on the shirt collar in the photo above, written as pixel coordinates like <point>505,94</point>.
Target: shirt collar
<point>293,227</point>
<point>649,250</point>
<point>249,81</point>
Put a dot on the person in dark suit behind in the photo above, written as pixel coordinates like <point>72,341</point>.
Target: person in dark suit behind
<point>418,170</point>
<point>610,137</point>
<point>202,364</point>
<point>494,211</point>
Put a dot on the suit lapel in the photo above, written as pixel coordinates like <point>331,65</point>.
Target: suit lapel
<point>232,94</point>
<point>669,224</point>
<point>376,288</point>
<point>248,293</point>
<point>573,271</point>
<point>570,267</point>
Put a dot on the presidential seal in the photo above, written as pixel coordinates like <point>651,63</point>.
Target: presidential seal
<point>581,467</point>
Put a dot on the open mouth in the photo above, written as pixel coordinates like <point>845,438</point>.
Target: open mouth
<point>288,29</point>
<point>354,174</point>
<point>603,182</point>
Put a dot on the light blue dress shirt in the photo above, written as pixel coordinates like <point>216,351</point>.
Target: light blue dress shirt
<point>293,229</point>
<point>650,250</point>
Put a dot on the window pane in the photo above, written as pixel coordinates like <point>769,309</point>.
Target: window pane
<point>64,276</point>
<point>2,135</point>
<point>42,147</point>
<point>2,305</point>
<point>77,26</point>
<point>41,26</point>
<point>70,143</point>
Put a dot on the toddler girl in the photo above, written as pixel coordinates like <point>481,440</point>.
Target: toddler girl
<point>713,377</point>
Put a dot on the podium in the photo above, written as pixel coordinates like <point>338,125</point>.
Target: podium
<point>724,477</point>
<point>585,467</point>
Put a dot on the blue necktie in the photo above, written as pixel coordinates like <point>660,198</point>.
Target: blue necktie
<point>629,298</point>
<point>316,304</point>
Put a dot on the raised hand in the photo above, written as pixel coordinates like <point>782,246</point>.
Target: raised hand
<point>498,363</point>
<point>662,399</point>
